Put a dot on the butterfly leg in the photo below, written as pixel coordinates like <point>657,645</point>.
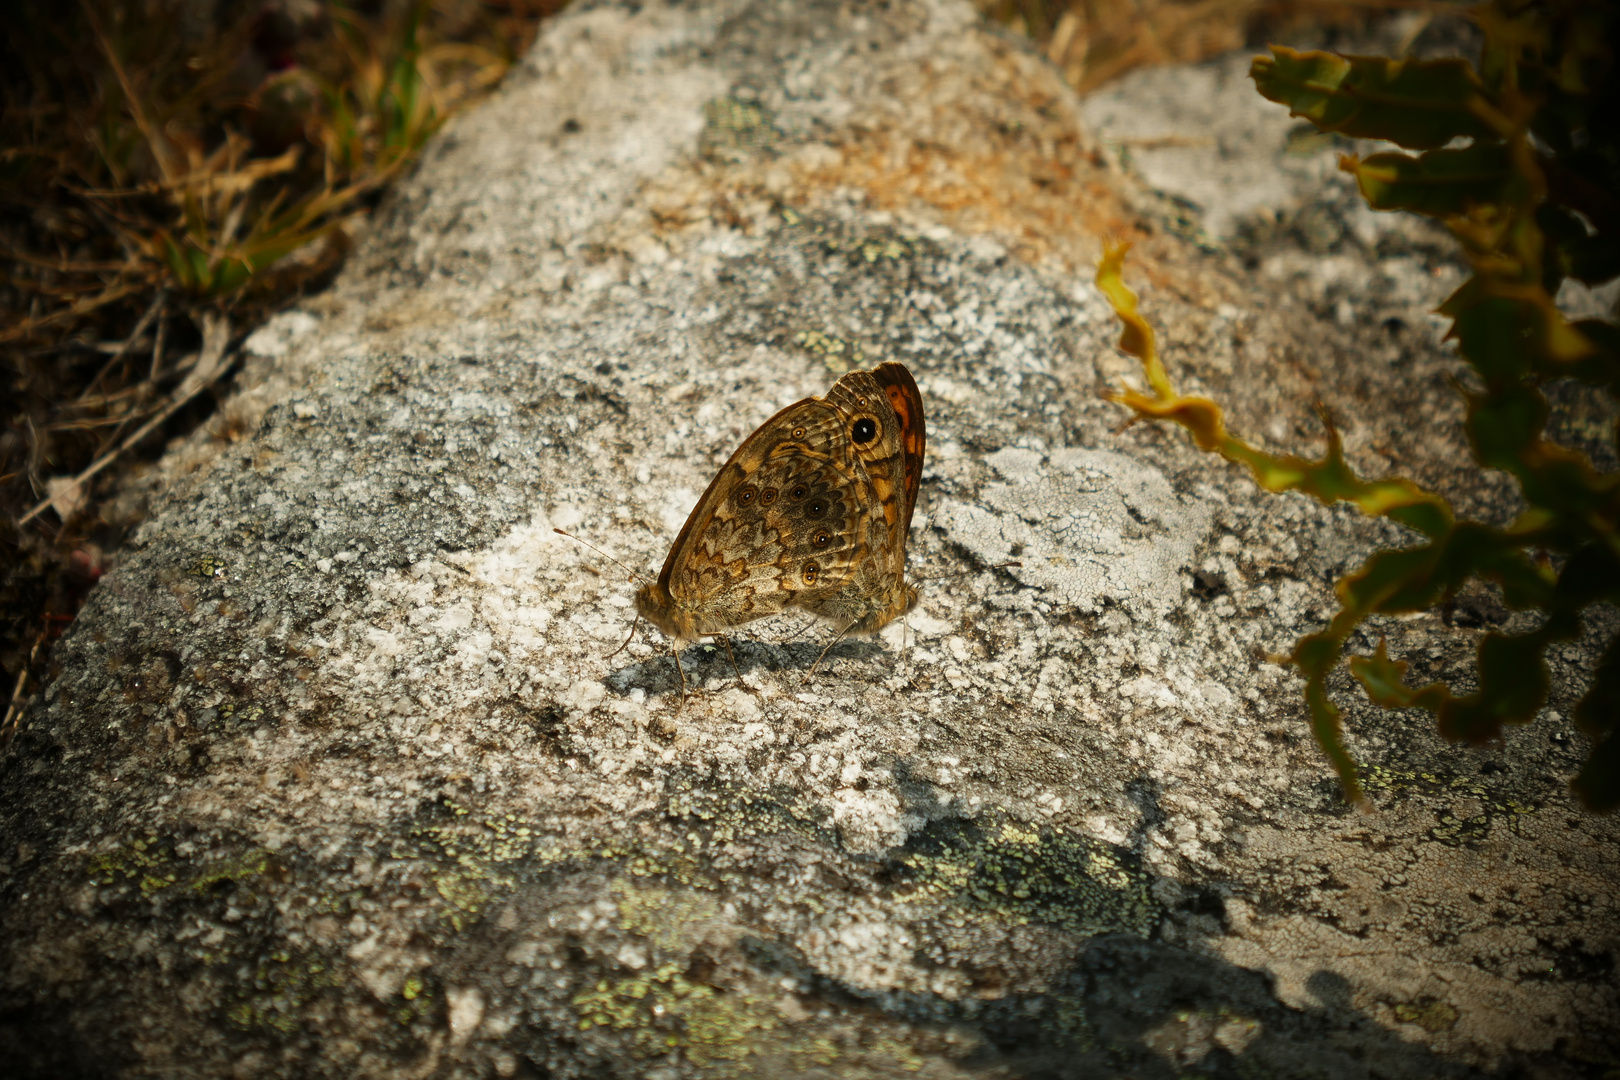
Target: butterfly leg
<point>675,653</point>
<point>735,670</point>
<point>628,637</point>
<point>836,639</point>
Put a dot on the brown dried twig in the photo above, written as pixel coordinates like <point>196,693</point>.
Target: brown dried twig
<point>129,342</point>
<point>8,726</point>
<point>209,366</point>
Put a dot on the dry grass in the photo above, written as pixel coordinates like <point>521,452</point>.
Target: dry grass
<point>1095,41</point>
<point>167,180</point>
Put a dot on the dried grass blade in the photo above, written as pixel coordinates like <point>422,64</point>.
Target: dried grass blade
<point>123,350</point>
<point>210,365</point>
<point>29,327</point>
<point>154,138</point>
<point>8,726</point>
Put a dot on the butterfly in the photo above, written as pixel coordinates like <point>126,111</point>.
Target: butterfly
<point>810,514</point>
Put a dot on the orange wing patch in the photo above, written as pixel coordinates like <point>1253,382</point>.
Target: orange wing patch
<point>906,401</point>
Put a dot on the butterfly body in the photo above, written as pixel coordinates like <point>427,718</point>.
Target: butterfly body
<point>811,513</point>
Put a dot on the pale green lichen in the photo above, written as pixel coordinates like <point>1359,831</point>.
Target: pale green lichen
<point>152,865</point>
<point>887,248</point>
<point>1431,1015</point>
<point>831,350</point>
<point>663,1010</point>
<point>209,566</point>
<point>249,864</point>
<point>1010,873</point>
<point>248,713</point>
<point>668,919</point>
<point>418,1002</point>
<point>282,987</point>
<point>735,128</point>
<point>724,1033</point>
<point>472,861</point>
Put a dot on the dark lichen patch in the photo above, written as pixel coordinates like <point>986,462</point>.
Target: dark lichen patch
<point>1010,872</point>
<point>473,860</point>
<point>1483,807</point>
<point>280,990</point>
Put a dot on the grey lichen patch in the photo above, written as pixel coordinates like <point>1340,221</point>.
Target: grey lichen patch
<point>1088,526</point>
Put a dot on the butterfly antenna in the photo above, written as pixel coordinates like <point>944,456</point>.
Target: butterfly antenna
<point>633,624</point>
<point>639,577</point>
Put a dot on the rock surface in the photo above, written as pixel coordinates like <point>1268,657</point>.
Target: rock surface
<point>342,777</point>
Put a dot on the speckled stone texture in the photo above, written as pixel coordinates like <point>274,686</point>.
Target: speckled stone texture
<point>341,776</point>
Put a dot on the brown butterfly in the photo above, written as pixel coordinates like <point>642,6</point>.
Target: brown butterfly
<point>810,514</point>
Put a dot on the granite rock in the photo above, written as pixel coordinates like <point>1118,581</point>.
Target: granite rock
<point>341,774</point>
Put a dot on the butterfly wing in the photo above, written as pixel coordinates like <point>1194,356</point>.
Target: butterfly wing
<point>775,520</point>
<point>810,512</point>
<point>885,433</point>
